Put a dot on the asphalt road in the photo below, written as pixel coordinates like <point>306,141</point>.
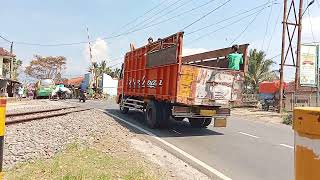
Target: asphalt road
<point>245,150</point>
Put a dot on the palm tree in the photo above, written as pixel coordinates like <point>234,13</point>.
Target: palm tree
<point>116,73</point>
<point>104,68</point>
<point>259,70</point>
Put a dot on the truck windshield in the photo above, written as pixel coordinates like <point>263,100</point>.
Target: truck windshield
<point>46,82</point>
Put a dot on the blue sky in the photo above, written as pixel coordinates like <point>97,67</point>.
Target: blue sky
<point>55,22</point>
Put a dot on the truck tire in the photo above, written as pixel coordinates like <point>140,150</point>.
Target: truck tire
<point>196,122</point>
<point>165,114</point>
<point>153,114</point>
<point>207,122</point>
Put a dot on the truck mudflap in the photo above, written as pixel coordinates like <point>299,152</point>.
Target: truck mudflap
<point>200,112</point>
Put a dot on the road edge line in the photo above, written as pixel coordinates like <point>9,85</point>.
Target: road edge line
<point>190,157</point>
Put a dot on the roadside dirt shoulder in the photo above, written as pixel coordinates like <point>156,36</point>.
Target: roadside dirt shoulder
<point>258,115</point>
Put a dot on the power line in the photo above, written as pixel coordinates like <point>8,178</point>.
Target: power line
<point>231,17</point>
<point>183,4</point>
<point>163,21</point>
<point>155,15</point>
<point>267,26</point>
<point>5,39</point>
<point>230,24</point>
<point>147,12</point>
<point>245,28</point>
<point>205,15</point>
<point>118,35</point>
<point>311,29</point>
<point>274,30</point>
<point>84,42</point>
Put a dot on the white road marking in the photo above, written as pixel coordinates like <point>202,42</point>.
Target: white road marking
<point>197,161</point>
<point>288,146</point>
<point>248,134</point>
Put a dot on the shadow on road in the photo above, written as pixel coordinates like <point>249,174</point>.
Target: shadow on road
<point>175,128</point>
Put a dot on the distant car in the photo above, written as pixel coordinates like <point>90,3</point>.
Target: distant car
<point>44,88</point>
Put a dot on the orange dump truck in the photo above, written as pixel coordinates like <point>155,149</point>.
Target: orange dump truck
<point>157,80</point>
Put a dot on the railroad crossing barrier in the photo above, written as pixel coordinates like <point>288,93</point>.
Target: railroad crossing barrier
<point>3,103</point>
<point>306,127</point>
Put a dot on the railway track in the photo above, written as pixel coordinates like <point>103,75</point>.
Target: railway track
<point>15,118</point>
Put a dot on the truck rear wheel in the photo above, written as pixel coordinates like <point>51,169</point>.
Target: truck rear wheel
<point>165,114</point>
<point>196,122</point>
<point>153,114</point>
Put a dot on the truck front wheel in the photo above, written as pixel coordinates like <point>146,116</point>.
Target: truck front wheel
<point>196,122</point>
<point>123,110</point>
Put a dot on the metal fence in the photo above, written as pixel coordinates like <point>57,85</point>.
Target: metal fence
<point>292,100</point>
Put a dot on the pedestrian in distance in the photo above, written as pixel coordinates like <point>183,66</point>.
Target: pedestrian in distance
<point>20,92</point>
<point>235,59</point>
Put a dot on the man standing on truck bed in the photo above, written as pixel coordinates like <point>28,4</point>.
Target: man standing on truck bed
<point>234,58</point>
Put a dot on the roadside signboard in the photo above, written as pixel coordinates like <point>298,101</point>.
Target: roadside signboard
<point>309,65</point>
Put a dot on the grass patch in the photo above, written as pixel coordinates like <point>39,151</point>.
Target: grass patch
<point>79,163</point>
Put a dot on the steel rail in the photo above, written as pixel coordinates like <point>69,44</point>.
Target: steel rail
<point>28,119</point>
<point>39,111</point>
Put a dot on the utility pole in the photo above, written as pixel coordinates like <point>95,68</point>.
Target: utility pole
<point>297,79</point>
<point>288,36</point>
<point>283,46</point>
<point>91,60</point>
<point>11,61</point>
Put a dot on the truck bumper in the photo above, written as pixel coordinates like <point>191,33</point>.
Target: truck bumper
<point>200,112</point>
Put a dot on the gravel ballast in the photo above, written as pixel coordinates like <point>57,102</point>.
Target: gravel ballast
<point>30,141</point>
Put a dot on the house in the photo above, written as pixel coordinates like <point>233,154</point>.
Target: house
<point>6,63</point>
<point>7,82</point>
<point>76,81</point>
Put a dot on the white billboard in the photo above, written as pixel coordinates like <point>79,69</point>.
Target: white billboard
<point>308,65</point>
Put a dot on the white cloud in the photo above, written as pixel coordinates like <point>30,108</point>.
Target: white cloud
<point>191,51</point>
<point>99,50</point>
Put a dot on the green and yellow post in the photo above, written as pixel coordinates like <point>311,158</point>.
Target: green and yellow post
<point>3,103</point>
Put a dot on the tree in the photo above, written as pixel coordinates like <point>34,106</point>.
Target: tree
<point>46,67</point>
<point>259,70</point>
<point>17,63</point>
<point>102,68</point>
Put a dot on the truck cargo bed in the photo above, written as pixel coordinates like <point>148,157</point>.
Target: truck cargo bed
<point>158,71</point>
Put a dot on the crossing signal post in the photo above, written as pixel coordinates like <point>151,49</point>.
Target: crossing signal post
<point>3,103</point>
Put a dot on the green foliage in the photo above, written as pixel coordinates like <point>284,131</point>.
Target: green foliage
<point>102,68</point>
<point>287,119</point>
<point>259,70</point>
<point>46,67</point>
